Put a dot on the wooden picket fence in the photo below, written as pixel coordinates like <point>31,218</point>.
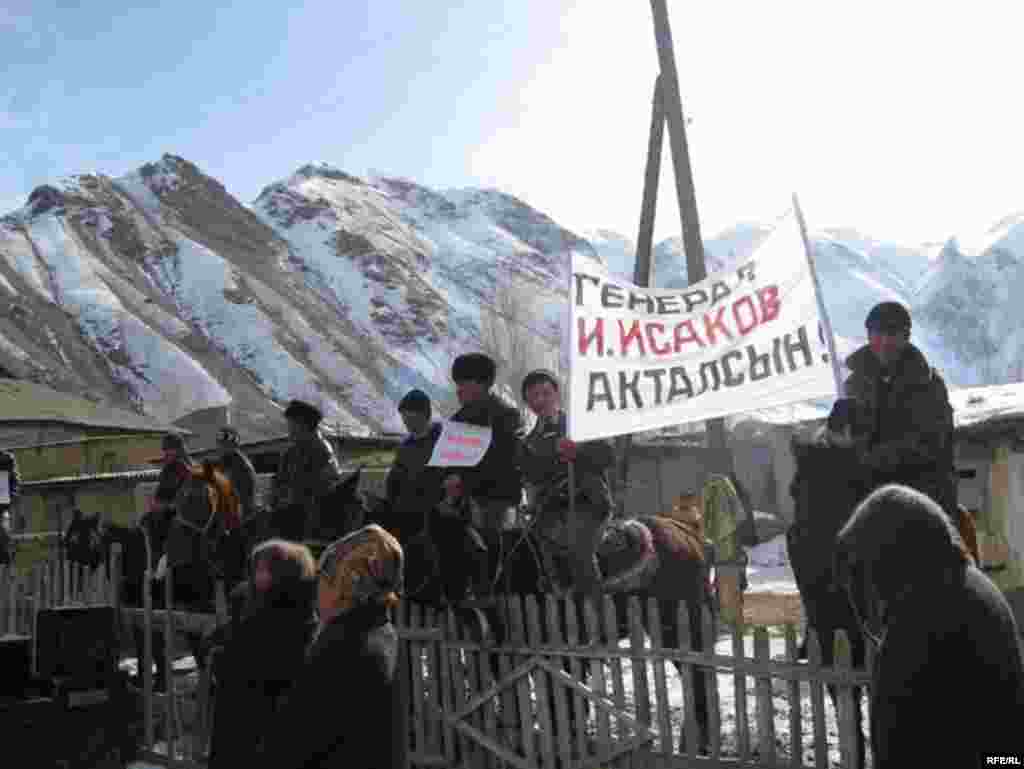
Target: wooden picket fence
<point>529,702</point>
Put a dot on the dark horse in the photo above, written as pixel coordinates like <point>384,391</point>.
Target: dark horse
<point>89,541</point>
<point>342,510</point>
<point>643,557</point>
<point>829,483</point>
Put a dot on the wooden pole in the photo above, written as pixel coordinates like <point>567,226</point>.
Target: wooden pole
<point>644,241</point>
<point>685,193</point>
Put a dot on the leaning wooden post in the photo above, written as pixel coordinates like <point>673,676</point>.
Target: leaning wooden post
<point>644,241</point>
<point>171,700</point>
<point>115,587</point>
<point>686,195</point>
<point>147,642</point>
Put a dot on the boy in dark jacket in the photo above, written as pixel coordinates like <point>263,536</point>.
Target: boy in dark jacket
<point>413,489</point>
<point>948,677</point>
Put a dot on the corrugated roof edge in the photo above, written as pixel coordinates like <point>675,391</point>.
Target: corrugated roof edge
<point>64,480</point>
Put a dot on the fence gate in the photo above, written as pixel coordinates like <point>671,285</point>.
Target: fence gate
<point>539,699</point>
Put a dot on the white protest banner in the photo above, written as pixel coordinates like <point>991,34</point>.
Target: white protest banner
<point>460,445</point>
<point>744,339</point>
<point>5,487</point>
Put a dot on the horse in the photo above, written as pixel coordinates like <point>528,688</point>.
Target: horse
<point>342,510</point>
<point>830,482</point>
<point>644,556</point>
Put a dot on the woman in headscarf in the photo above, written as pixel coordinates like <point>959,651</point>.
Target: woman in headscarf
<point>263,649</point>
<point>348,706</point>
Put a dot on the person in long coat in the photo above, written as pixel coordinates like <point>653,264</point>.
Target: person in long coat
<point>263,648</point>
<point>948,679</point>
<point>348,706</point>
<point>308,469</point>
<point>898,410</point>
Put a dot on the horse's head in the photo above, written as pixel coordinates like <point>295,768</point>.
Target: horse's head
<point>830,478</point>
<point>83,540</point>
<point>343,508</point>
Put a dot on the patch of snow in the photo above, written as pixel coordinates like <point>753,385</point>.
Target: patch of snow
<point>8,347</point>
<point>768,568</point>
<point>18,251</point>
<point>135,187</point>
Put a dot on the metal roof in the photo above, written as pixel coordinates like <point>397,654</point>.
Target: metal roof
<point>73,480</point>
<point>27,402</point>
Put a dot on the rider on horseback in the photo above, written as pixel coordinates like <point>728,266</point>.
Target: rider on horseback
<point>492,490</point>
<point>176,470</point>
<point>239,470</point>
<point>546,454</point>
<point>897,410</point>
<point>308,468</point>
<point>413,489</point>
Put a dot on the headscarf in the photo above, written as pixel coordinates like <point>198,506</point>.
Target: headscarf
<point>363,567</point>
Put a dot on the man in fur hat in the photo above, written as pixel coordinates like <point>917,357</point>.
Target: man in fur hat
<point>492,489</point>
<point>897,410</point>
<point>307,470</point>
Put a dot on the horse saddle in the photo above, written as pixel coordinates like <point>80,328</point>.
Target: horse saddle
<point>626,555</point>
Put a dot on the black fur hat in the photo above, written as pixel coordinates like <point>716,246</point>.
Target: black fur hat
<point>304,412</point>
<point>417,401</point>
<point>888,317</point>
<point>536,377</point>
<point>476,367</point>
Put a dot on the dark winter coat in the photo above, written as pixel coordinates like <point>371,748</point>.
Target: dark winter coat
<point>905,423</point>
<point>171,478</point>
<point>948,677</point>
<point>498,476</point>
<point>413,489</point>
<point>547,477</point>
<point>347,709</point>
<point>262,655</point>
<point>242,474</point>
<point>308,470</point>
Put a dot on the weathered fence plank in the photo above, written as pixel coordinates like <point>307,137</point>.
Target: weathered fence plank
<point>796,740</point>
<point>765,703</point>
<point>817,700</point>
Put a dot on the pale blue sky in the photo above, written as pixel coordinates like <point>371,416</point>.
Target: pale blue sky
<point>902,119</point>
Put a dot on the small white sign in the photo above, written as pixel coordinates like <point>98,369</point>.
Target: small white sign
<point>5,487</point>
<point>460,445</point>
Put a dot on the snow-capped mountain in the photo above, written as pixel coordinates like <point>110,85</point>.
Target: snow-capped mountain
<point>160,291</point>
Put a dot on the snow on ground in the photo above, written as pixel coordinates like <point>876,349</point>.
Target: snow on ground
<point>769,570</point>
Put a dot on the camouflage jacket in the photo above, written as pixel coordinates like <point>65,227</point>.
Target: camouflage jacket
<point>547,478</point>
<point>308,469</point>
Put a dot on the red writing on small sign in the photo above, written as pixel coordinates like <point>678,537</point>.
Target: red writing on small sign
<point>453,455</point>
<point>464,440</point>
